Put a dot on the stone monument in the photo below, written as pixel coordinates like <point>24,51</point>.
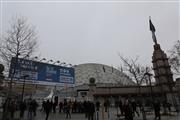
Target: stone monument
<point>161,67</point>
<point>162,70</point>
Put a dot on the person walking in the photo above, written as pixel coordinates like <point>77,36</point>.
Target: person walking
<point>90,110</point>
<point>106,105</point>
<point>134,106</point>
<point>97,109</point>
<point>34,107</point>
<point>97,105</point>
<point>22,108</point>
<point>128,112</point>
<point>157,110</point>
<point>12,108</point>
<point>43,106</point>
<point>68,109</point>
<point>30,109</point>
<point>47,109</point>
<point>85,106</point>
<point>54,107</point>
<point>60,107</point>
<point>120,105</point>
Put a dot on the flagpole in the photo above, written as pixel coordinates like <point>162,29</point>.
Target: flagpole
<point>154,37</point>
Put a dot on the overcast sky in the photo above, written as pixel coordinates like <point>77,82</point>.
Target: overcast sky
<point>95,32</point>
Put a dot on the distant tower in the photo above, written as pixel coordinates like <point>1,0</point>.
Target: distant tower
<point>162,71</point>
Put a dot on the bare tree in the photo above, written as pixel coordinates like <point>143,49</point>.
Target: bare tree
<point>136,71</point>
<point>175,58</point>
<point>19,41</point>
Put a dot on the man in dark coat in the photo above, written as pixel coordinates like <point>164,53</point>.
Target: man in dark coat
<point>128,111</point>
<point>47,109</point>
<point>120,105</point>
<point>54,107</point>
<point>68,108</point>
<point>85,105</point>
<point>34,107</point>
<point>90,110</point>
<point>22,108</point>
<point>157,110</point>
<point>97,109</point>
<point>106,105</point>
<point>12,108</point>
<point>60,107</point>
<point>97,105</point>
<point>134,106</point>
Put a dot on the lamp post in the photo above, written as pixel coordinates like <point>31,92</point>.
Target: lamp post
<point>13,73</point>
<point>149,78</point>
<point>35,58</point>
<point>68,65</point>
<point>42,59</point>
<point>24,77</point>
<point>49,61</point>
<point>56,62</point>
<point>62,63</point>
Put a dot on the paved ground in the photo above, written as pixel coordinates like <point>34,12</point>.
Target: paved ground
<point>102,116</point>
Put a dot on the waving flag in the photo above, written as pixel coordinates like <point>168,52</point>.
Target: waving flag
<point>152,28</point>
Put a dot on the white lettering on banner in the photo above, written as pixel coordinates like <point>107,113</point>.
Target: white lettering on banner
<point>66,79</point>
<point>27,65</point>
<point>64,72</point>
<point>50,70</point>
<point>33,75</point>
<point>52,83</point>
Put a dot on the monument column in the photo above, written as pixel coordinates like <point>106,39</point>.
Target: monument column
<point>163,75</point>
<point>161,67</point>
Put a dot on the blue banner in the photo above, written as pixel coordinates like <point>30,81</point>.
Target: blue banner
<point>41,72</point>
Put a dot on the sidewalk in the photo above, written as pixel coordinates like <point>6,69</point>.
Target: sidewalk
<point>111,115</point>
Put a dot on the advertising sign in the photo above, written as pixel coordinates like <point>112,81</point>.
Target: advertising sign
<point>41,72</point>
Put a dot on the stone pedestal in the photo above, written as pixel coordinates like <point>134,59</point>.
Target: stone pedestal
<point>92,89</point>
<point>161,67</point>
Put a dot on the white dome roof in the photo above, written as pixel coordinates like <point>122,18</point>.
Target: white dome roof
<point>101,73</point>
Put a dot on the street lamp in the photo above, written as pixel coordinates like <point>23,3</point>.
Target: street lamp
<point>149,78</point>
<point>24,77</point>
<point>63,63</point>
<point>70,65</point>
<point>15,63</point>
<point>35,58</point>
<point>56,62</point>
<point>49,61</point>
<point>42,59</point>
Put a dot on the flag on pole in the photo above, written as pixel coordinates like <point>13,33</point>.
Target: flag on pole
<point>152,28</point>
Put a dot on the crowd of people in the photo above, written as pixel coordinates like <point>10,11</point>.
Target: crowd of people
<point>68,107</point>
<point>131,108</point>
<point>10,106</point>
<point>127,108</point>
